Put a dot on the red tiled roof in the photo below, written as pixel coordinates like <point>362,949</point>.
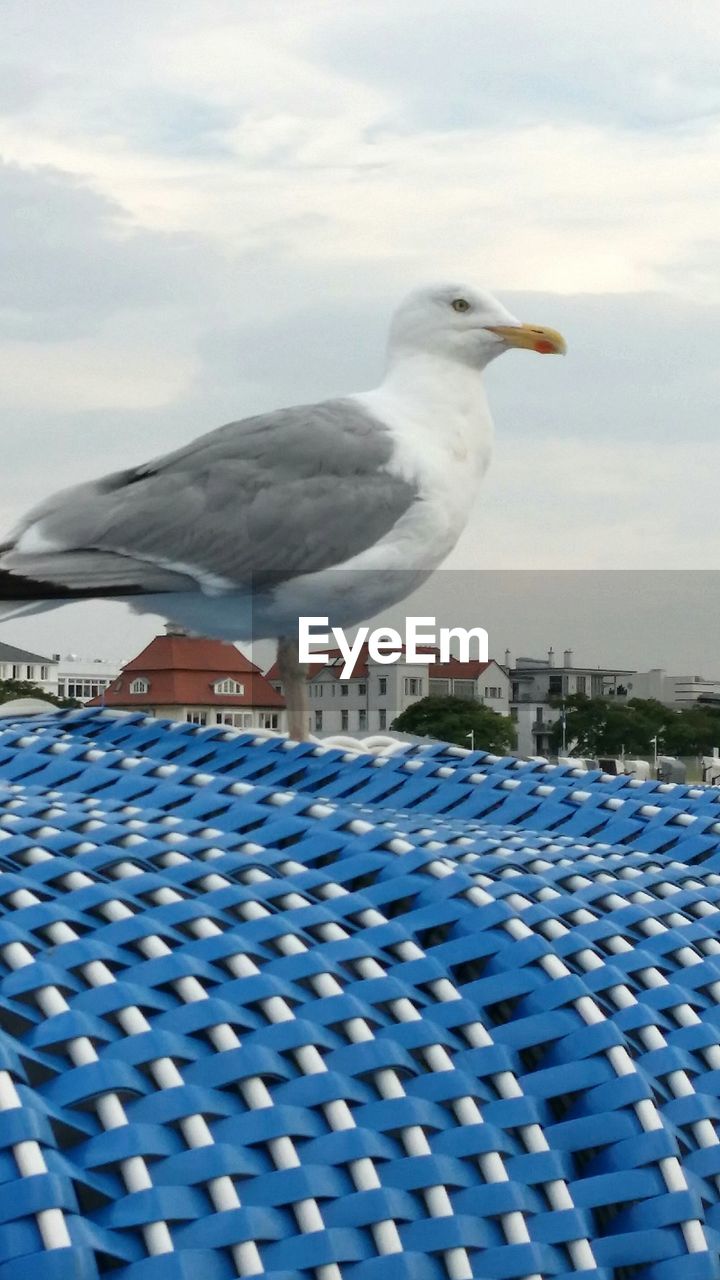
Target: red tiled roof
<point>182,670</point>
<point>453,670</point>
<point>457,670</point>
<point>312,668</point>
<point>337,662</point>
<point>190,653</point>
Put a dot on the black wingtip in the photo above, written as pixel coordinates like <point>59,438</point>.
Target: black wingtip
<point>24,590</point>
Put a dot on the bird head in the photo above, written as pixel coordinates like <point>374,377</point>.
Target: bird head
<point>459,322</point>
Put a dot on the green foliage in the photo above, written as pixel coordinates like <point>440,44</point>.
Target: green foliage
<point>451,720</point>
<point>602,726</point>
<point>12,689</point>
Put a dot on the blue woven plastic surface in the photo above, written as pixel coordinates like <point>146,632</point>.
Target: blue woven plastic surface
<point>272,1009</point>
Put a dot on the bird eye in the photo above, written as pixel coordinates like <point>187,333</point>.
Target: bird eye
<point>461,304</point>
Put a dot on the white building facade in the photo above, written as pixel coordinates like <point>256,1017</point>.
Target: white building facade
<point>28,668</point>
<point>484,682</point>
<point>369,701</point>
<point>84,678</point>
<point>675,691</point>
<point>377,693</point>
<point>538,683</point>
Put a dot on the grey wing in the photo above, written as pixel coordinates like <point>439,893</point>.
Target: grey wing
<point>284,493</point>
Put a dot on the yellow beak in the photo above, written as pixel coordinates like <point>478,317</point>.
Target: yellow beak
<point>533,337</point>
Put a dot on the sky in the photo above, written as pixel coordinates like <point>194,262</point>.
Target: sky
<point>209,208</point>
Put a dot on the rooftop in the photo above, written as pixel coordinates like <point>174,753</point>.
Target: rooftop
<point>361,666</point>
<point>9,653</point>
<point>182,670</point>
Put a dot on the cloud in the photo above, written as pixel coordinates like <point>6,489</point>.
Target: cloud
<point>210,210</point>
<point>256,132</point>
<point>70,256</point>
<point>90,375</point>
<point>604,64</point>
<point>557,504</point>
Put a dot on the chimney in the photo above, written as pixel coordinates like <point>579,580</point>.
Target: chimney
<point>508,658</point>
<point>174,629</point>
<point>567,658</point>
<point>551,657</point>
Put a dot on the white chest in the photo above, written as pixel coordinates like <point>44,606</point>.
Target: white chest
<point>443,438</point>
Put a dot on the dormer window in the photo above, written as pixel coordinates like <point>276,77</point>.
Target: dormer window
<point>229,686</point>
<point>141,685</point>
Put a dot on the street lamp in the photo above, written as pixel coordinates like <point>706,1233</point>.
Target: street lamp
<point>471,736</point>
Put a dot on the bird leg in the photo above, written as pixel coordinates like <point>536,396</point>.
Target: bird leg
<point>293,676</point>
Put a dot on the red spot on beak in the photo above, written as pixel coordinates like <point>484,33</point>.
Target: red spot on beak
<point>544,347</point>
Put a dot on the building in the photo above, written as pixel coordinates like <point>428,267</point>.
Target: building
<point>29,668</point>
<point>537,683</point>
<point>674,691</point>
<point>204,682</point>
<point>377,692</point>
<point>84,678</point>
<point>367,702</point>
<point>485,682</point>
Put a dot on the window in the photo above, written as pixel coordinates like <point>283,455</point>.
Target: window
<point>413,686</point>
<point>362,718</point>
<point>596,686</point>
<point>228,686</point>
<point>382,718</point>
<point>196,717</point>
<point>237,719</point>
<point>464,688</point>
<point>439,688</point>
<point>343,691</point>
<point>513,713</point>
<point>84,689</point>
<point>269,719</point>
<point>17,672</point>
<point>581,683</point>
<point>491,691</point>
<point>318,720</point>
<point>141,685</point>
<point>362,689</point>
<point>382,684</point>
<point>555,685</point>
<point>344,719</point>
<point>317,691</point>
<point>44,673</point>
<point>30,672</point>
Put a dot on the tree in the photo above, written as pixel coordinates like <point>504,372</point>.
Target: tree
<point>11,689</point>
<point>601,726</point>
<point>452,719</point>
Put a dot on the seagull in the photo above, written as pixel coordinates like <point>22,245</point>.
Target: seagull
<point>335,509</point>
